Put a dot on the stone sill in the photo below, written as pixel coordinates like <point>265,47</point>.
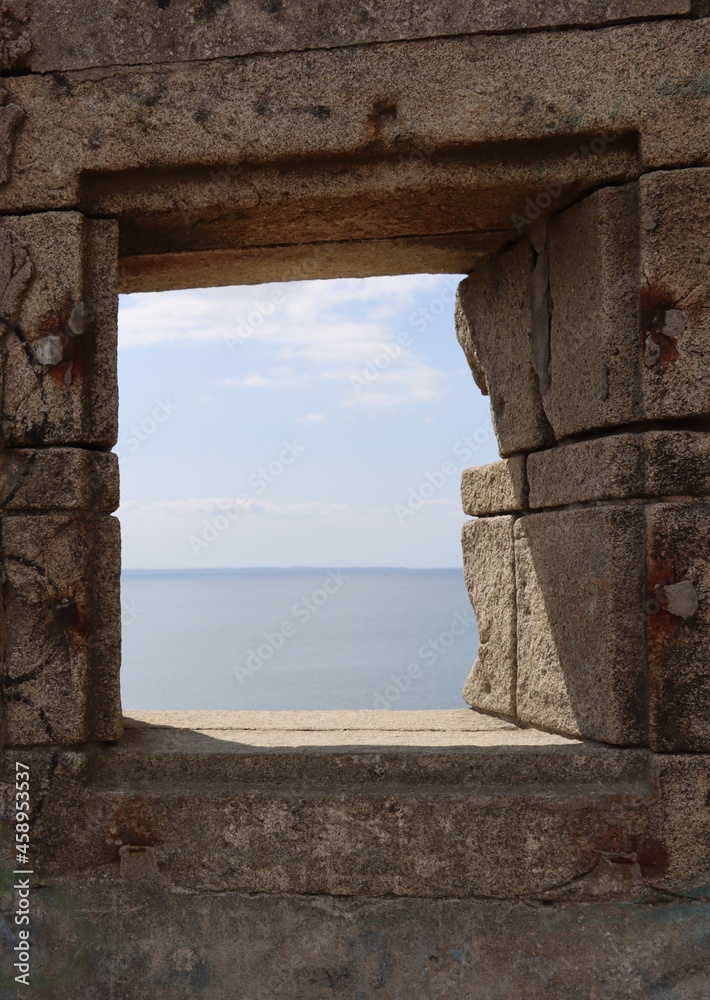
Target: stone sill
<point>427,804</point>
<point>372,728</point>
<point>453,750</point>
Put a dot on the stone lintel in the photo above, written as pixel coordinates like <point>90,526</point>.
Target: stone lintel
<point>353,103</point>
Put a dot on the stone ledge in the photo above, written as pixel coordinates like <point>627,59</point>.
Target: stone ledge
<point>458,749</point>
<point>455,720</point>
<point>603,841</point>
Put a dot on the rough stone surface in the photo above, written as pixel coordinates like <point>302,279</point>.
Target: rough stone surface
<point>489,571</point>
<point>678,625</point>
<point>645,79</point>
<point>493,325</point>
<point>59,297</point>
<point>630,322</point>
<point>61,622</point>
<point>53,479</point>
<point>594,371</point>
<point>522,819</point>
<point>581,621</point>
<point>48,36</point>
<point>649,464</point>
<point>225,945</point>
<point>513,819</point>
<point>499,488</point>
<point>371,216</point>
<point>675,293</point>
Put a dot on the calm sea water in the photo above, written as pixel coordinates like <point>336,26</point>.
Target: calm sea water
<point>296,639</point>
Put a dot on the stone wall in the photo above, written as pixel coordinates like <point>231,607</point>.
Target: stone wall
<point>593,340</point>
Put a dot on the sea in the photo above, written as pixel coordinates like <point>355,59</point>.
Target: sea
<point>329,638</point>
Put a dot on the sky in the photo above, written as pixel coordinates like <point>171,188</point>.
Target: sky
<point>315,423</point>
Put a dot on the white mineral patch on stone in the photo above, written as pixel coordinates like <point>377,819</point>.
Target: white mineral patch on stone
<point>675,323</point>
<point>49,350</point>
<point>680,598</point>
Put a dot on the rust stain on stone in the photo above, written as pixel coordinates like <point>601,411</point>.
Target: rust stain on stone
<point>664,634</point>
<point>626,847</point>
<point>382,112</point>
<point>661,324</point>
<point>63,327</point>
<point>66,619</point>
<point>131,826</point>
<point>659,573</point>
<point>653,857</point>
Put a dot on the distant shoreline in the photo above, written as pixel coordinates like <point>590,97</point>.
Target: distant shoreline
<point>232,571</point>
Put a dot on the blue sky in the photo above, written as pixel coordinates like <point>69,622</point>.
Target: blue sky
<point>318,423</point>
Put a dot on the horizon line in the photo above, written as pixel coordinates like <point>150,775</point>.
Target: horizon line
<point>251,569</point>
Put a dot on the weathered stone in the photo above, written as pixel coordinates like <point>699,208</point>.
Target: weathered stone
<point>584,369</point>
<point>678,625</point>
<point>621,466</point>
<point>55,479</point>
<point>61,628</point>
<point>370,818</point>
<point>498,488</point>
<point>59,299</point>
<point>594,372</point>
<point>11,117</point>
<point>675,293</point>
<point>580,609</point>
<point>14,39</point>
<point>223,945</point>
<point>608,468</point>
<point>493,324</point>
<point>489,571</point>
<point>337,217</point>
<point>540,308</point>
<point>15,276</point>
<point>645,241</point>
<point>539,813</point>
<point>351,102</point>
<point>625,829</point>
<point>74,36</point>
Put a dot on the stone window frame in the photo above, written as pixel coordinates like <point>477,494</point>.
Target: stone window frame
<point>158,196</point>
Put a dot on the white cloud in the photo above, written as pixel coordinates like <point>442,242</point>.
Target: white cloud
<point>303,333</point>
<point>313,418</point>
<point>408,382</point>
<point>252,381</point>
<point>201,315</point>
<point>247,505</point>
